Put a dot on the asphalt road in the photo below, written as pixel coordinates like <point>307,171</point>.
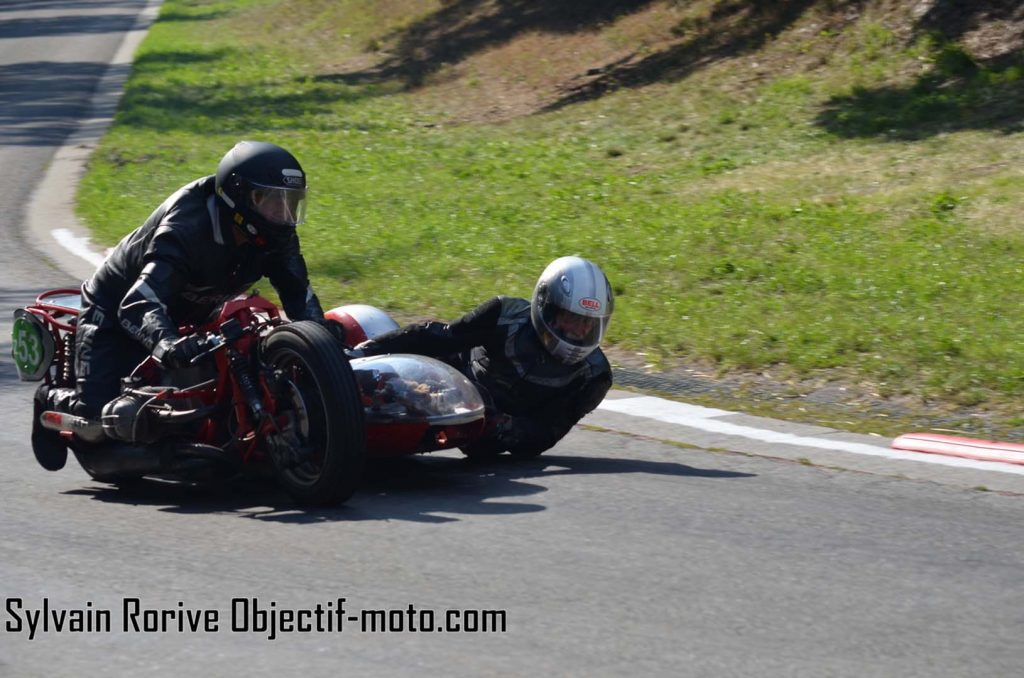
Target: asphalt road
<point>614,554</point>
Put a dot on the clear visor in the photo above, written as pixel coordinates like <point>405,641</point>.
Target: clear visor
<point>573,328</point>
<point>280,206</point>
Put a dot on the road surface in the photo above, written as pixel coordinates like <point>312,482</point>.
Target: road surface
<point>630,549</point>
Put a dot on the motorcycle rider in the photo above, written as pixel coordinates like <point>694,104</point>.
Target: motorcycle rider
<point>206,243</point>
<point>536,362</point>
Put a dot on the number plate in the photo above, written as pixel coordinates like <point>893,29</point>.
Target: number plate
<point>31,346</point>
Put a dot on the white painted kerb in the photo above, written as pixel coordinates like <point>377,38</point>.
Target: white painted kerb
<point>707,419</point>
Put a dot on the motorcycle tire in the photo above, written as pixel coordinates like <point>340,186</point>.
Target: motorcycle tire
<point>324,388</point>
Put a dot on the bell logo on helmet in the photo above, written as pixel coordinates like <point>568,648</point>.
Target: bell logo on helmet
<point>590,304</point>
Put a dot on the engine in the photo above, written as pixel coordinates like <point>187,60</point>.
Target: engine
<point>126,419</point>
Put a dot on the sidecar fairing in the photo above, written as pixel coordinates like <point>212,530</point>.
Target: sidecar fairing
<point>416,404</point>
<point>361,322</point>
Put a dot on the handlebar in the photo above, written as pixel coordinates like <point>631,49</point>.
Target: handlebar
<point>215,342</point>
<point>230,332</point>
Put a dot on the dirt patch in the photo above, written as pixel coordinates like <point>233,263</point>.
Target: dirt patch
<point>482,61</point>
<point>990,30</point>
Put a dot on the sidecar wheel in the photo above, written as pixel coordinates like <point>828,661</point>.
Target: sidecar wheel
<point>323,404</point>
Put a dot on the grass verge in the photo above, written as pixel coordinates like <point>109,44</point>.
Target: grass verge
<point>836,198</point>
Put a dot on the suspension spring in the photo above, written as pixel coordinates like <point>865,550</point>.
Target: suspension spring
<point>246,381</point>
<point>68,374</point>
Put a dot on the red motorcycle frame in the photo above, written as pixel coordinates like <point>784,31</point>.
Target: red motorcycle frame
<point>265,393</point>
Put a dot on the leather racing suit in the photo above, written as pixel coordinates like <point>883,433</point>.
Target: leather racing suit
<point>533,399</point>
<point>177,268</point>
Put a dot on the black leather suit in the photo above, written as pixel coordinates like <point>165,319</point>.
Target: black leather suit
<point>496,346</point>
<point>179,267</point>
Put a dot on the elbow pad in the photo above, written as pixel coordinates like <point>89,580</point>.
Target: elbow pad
<point>143,311</point>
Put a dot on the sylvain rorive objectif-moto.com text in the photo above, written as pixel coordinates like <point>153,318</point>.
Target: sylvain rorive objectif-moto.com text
<point>242,615</point>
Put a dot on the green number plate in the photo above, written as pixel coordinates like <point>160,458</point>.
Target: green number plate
<point>31,352</point>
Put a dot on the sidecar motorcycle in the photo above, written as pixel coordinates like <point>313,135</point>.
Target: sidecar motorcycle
<point>267,394</point>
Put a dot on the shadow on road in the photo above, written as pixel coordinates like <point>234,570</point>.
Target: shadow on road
<point>417,489</point>
<point>51,5</point>
<point>42,102</point>
<point>32,27</point>
<point>404,489</point>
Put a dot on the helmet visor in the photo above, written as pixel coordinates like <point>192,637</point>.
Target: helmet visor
<point>279,206</point>
<point>573,328</point>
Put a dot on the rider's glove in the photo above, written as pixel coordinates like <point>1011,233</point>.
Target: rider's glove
<point>365,348</point>
<point>178,352</point>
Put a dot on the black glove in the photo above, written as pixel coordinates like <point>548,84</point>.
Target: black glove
<point>365,348</point>
<point>179,352</point>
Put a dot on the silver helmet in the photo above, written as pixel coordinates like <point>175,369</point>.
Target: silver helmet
<point>572,304</point>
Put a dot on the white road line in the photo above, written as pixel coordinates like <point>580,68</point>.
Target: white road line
<point>706,419</point>
<point>69,161</point>
<point>77,245</point>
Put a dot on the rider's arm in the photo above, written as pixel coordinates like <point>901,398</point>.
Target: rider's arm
<point>434,338</point>
<point>287,272</point>
<point>540,430</point>
<point>143,310</point>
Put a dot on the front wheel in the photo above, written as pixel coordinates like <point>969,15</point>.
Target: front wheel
<point>322,427</point>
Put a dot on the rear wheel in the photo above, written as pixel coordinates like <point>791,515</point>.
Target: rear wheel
<point>322,432</point>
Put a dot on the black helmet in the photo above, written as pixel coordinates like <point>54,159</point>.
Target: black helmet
<point>264,187</point>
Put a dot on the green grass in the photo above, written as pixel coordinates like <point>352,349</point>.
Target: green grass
<point>856,216</point>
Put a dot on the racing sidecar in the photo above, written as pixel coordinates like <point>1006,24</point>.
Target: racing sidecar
<point>412,403</point>
<point>416,404</point>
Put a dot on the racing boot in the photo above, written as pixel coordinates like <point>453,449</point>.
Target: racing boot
<point>50,449</point>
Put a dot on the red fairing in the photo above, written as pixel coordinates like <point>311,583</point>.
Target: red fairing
<point>396,440</point>
<point>361,322</point>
